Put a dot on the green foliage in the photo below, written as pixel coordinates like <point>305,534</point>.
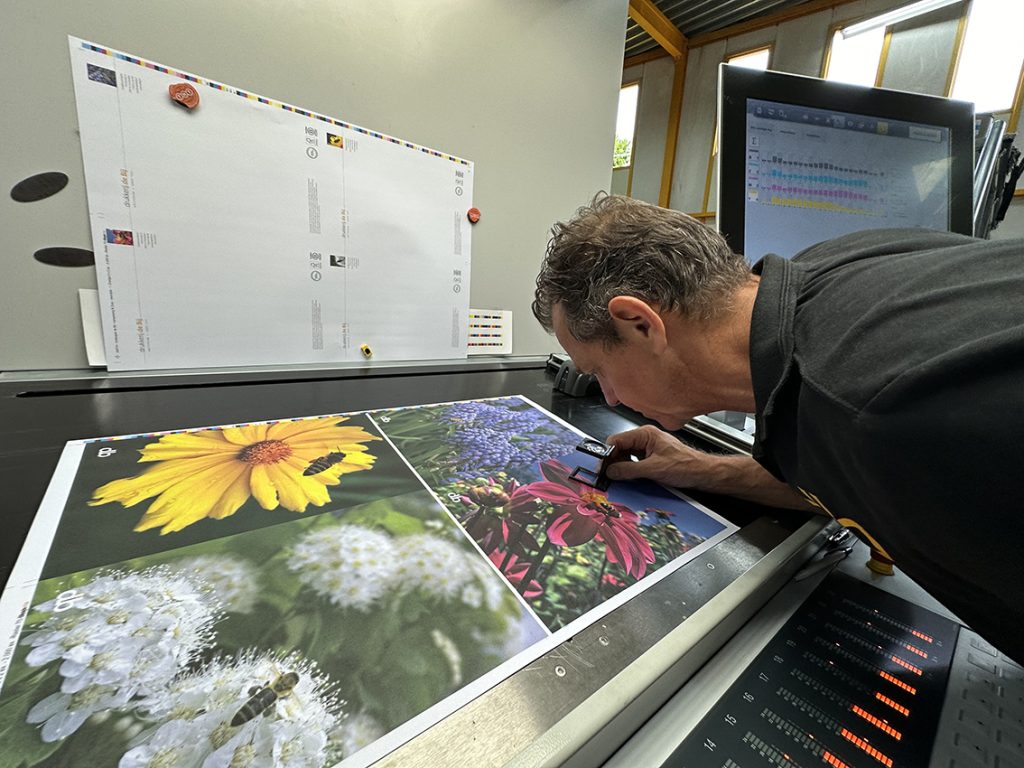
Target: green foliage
<point>622,154</point>
<point>385,660</point>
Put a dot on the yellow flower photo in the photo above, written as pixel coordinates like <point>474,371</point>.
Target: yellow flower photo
<point>213,472</point>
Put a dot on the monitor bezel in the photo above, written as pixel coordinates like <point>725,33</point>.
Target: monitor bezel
<point>738,84</point>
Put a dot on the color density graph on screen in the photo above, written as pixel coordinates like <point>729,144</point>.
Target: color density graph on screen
<point>807,181</point>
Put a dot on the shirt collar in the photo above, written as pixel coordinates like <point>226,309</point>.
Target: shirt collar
<point>771,336</point>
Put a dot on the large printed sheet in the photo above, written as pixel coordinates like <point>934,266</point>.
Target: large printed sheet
<point>249,231</point>
<point>311,591</point>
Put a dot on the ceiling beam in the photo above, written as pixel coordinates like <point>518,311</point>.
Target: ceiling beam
<point>642,58</point>
<point>787,14</point>
<point>658,26</point>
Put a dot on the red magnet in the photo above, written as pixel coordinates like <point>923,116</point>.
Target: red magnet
<point>184,94</point>
<point>473,214</point>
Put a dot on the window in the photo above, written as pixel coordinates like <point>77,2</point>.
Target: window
<point>755,59</point>
<point>625,124</point>
<point>855,59</point>
<point>990,59</point>
<point>758,58</point>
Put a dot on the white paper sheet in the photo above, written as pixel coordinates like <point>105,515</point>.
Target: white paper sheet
<point>248,231</point>
<point>92,326</point>
<point>408,606</point>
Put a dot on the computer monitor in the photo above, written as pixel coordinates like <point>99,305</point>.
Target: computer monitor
<point>803,160</point>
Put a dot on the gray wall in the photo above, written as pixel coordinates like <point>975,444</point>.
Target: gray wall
<point>918,60</point>
<point>526,89</point>
<point>651,125</point>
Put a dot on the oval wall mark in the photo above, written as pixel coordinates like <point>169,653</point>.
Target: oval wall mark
<point>62,256</point>
<point>39,187</point>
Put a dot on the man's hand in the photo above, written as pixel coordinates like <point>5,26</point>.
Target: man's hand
<point>663,459</point>
<point>666,460</point>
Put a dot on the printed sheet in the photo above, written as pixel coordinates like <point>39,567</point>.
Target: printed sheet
<point>249,231</point>
<point>311,591</point>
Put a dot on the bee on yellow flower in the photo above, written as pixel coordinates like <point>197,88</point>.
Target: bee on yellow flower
<point>213,472</point>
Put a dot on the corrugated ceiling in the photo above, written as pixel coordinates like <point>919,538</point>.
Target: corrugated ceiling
<point>696,17</point>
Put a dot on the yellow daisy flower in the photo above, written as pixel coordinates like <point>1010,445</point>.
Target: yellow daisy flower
<point>213,472</point>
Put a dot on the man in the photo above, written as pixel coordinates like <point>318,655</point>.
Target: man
<point>885,368</point>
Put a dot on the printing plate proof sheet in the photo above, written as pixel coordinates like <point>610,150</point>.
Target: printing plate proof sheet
<point>250,231</point>
<point>311,591</point>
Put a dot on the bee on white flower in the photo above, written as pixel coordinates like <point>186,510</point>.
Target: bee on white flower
<point>198,723</point>
<point>121,637</point>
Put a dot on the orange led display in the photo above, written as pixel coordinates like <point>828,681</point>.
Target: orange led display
<point>899,683</point>
<point>864,746</point>
<point>890,703</point>
<point>921,635</point>
<point>907,665</point>
<point>918,651</point>
<point>880,724</point>
<point>831,759</point>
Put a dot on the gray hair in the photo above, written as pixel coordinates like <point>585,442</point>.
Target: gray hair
<point>618,246</point>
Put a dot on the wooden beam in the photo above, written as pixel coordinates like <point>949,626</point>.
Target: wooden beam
<point>657,25</point>
<point>711,167</point>
<point>804,9</point>
<point>643,58</point>
<point>675,109</point>
<point>1018,96</point>
<point>958,45</point>
<point>883,57</point>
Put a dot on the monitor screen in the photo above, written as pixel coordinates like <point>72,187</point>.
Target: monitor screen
<point>803,160</point>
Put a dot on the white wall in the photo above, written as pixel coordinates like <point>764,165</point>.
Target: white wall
<point>527,90</point>
<point>651,125</point>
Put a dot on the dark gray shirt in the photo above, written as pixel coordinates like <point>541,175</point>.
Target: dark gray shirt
<point>888,371</point>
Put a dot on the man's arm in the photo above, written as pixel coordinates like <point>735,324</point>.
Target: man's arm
<point>666,460</point>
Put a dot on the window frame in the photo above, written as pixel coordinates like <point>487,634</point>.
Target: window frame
<point>830,37</point>
<point>632,145</point>
<point>1013,111</point>
<point>713,153</point>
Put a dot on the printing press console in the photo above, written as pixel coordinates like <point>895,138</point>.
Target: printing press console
<point>727,663</point>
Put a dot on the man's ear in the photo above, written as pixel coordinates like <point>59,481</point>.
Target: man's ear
<point>636,320</point>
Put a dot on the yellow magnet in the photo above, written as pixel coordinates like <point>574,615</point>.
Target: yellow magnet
<point>880,563</point>
<point>365,349</point>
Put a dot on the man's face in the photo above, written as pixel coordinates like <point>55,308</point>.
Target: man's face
<point>628,372</point>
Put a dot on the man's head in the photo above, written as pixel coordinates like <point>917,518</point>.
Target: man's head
<point>618,246</point>
<point>633,293</point>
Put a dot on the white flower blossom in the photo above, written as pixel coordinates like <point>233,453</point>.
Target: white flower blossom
<point>224,716</point>
<point>431,564</point>
<point>451,653</point>
<point>231,580</point>
<point>121,636</point>
<point>488,588</point>
<point>472,595</point>
<point>350,565</point>
<point>356,731</point>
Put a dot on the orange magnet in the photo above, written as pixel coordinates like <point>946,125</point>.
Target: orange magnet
<point>184,94</point>
<point>473,214</point>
